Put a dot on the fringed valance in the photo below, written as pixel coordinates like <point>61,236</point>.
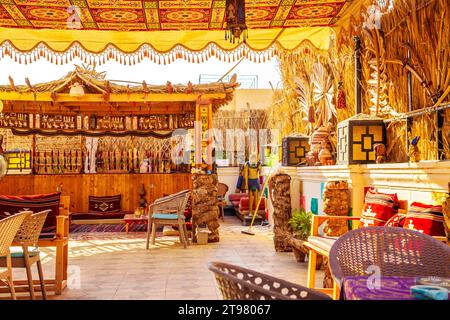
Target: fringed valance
<point>26,46</point>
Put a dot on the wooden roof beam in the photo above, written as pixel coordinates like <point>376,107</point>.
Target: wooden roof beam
<point>114,97</point>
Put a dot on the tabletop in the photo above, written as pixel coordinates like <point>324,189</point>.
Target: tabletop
<point>368,288</point>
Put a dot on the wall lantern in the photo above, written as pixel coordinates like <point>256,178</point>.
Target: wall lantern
<point>295,148</point>
<point>357,137</point>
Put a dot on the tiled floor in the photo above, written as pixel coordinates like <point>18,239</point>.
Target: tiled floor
<point>117,266</point>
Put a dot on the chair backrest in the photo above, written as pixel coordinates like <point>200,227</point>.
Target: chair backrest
<point>238,283</point>
<point>28,233</point>
<point>222,189</point>
<point>8,230</point>
<point>393,251</point>
<point>177,201</point>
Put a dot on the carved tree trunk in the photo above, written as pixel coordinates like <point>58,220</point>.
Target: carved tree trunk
<point>205,209</point>
<point>335,203</point>
<point>280,195</point>
<point>446,211</point>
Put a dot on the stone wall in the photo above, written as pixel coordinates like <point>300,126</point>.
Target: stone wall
<point>205,209</point>
<point>280,193</point>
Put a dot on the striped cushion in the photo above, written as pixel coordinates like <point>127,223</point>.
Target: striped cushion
<point>36,203</point>
<point>425,218</point>
<point>324,243</point>
<point>378,208</point>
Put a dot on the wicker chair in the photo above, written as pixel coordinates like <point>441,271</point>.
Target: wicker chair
<point>222,190</point>
<point>28,237</point>
<point>8,230</point>
<point>396,251</point>
<point>169,211</point>
<point>237,283</point>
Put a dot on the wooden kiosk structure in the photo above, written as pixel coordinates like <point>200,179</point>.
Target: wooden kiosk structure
<point>86,105</point>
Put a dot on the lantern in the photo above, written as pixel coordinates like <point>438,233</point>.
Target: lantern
<point>295,148</point>
<point>235,20</point>
<point>357,137</point>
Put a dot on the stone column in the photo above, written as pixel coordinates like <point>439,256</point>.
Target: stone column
<point>205,209</point>
<point>280,196</point>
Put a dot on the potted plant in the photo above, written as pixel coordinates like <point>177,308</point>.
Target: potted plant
<point>300,223</point>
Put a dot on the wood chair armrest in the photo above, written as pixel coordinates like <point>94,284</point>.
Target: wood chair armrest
<point>62,227</point>
<point>317,221</point>
<point>442,239</point>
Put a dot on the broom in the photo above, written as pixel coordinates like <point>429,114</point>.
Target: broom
<point>249,231</point>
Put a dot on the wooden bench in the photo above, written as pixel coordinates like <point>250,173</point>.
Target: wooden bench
<point>61,243</point>
<point>321,245</point>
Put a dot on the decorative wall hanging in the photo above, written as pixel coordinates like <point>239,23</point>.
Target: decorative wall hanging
<point>95,126</point>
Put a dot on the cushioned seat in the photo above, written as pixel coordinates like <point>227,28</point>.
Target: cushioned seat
<point>18,253</point>
<point>324,243</point>
<point>165,216</point>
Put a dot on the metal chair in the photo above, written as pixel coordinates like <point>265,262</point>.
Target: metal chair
<point>28,237</point>
<point>169,211</point>
<point>396,251</point>
<point>222,190</point>
<point>8,230</point>
<point>237,283</point>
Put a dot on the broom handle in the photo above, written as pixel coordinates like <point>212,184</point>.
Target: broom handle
<point>260,198</point>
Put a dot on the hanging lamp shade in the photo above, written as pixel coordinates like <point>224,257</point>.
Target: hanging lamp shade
<point>235,21</point>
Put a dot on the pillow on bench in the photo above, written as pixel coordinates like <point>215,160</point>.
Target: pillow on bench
<point>36,203</point>
<point>425,218</point>
<point>105,204</point>
<point>378,208</point>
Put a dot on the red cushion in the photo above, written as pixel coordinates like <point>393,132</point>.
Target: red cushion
<point>425,218</point>
<point>378,208</point>
<point>244,204</point>
<point>397,220</point>
<point>36,203</point>
<point>235,198</point>
<point>105,204</point>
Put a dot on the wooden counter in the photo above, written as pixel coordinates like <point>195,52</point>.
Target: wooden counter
<point>80,186</point>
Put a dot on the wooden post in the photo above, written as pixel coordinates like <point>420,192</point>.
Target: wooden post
<point>203,123</point>
<point>358,75</point>
<point>33,155</point>
<point>410,105</point>
<point>440,114</point>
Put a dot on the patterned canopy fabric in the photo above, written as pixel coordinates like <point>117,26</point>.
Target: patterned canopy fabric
<point>128,15</point>
<point>97,31</point>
